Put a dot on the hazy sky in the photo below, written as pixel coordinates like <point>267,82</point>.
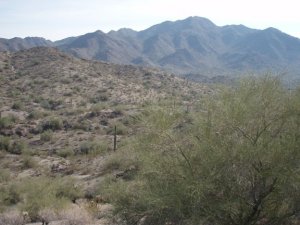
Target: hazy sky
<point>57,19</point>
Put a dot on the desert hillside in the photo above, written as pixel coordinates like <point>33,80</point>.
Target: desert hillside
<point>58,121</point>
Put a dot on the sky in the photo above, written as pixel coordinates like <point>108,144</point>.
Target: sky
<point>58,19</point>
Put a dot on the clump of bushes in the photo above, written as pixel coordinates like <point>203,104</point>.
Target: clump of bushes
<point>99,97</point>
<point>65,152</point>
<point>28,162</point>
<point>93,147</point>
<point>51,104</point>
<point>36,194</point>
<point>17,106</point>
<point>4,175</point>
<point>12,218</point>
<point>235,162</point>
<point>46,136</point>
<point>82,124</point>
<point>96,109</point>
<point>7,122</point>
<point>53,124</point>
<point>5,143</point>
<point>11,146</point>
<point>35,114</point>
<point>121,129</point>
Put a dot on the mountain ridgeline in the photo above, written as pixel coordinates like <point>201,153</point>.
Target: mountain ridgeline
<point>194,47</point>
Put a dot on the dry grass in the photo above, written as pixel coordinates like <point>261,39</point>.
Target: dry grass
<point>76,216</point>
<point>12,218</point>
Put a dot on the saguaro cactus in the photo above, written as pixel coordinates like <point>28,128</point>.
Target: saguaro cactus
<point>115,139</point>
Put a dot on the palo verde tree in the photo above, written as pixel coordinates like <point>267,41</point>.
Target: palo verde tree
<point>233,161</point>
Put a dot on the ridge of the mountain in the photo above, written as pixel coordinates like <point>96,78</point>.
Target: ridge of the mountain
<point>194,45</point>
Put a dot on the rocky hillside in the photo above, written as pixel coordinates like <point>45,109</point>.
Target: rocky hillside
<point>43,83</point>
<point>59,116</point>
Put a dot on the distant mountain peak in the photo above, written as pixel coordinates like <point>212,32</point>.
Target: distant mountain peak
<point>198,20</point>
<point>272,29</point>
<point>192,45</point>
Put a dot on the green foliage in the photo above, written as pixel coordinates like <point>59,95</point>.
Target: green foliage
<point>235,161</point>
<point>7,122</point>
<point>28,162</point>
<point>5,143</point>
<point>99,97</point>
<point>82,124</point>
<point>9,195</point>
<point>65,152</point>
<point>51,104</point>
<point>36,194</point>
<point>46,136</point>
<point>97,108</point>
<point>17,106</point>
<point>4,175</point>
<point>53,124</point>
<point>17,147</point>
<point>66,188</point>
<point>92,147</point>
<point>13,147</point>
<point>121,129</point>
<point>35,114</point>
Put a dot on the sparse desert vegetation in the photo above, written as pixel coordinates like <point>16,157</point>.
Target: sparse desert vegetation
<point>233,160</point>
<point>186,153</point>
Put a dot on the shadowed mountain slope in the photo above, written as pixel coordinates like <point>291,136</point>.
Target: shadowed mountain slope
<point>193,46</point>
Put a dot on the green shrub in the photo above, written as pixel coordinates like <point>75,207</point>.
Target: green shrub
<point>17,106</point>
<point>65,152</point>
<point>7,122</point>
<point>99,97</point>
<point>97,108</point>
<point>121,129</point>
<point>82,125</point>
<point>17,147</point>
<point>4,175</point>
<point>9,195</point>
<point>35,114</point>
<point>68,189</point>
<point>46,193</point>
<point>92,147</point>
<point>234,162</point>
<point>51,104</point>
<point>13,147</point>
<point>46,136</point>
<point>51,124</point>
<point>28,162</point>
<point>5,143</point>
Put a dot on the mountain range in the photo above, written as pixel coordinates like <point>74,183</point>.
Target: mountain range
<point>194,47</point>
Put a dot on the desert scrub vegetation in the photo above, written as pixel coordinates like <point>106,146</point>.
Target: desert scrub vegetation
<point>121,129</point>
<point>46,136</point>
<point>17,105</point>
<point>93,148</point>
<point>12,146</point>
<point>12,218</point>
<point>7,122</point>
<point>37,194</point>
<point>53,123</point>
<point>36,114</point>
<point>233,161</point>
